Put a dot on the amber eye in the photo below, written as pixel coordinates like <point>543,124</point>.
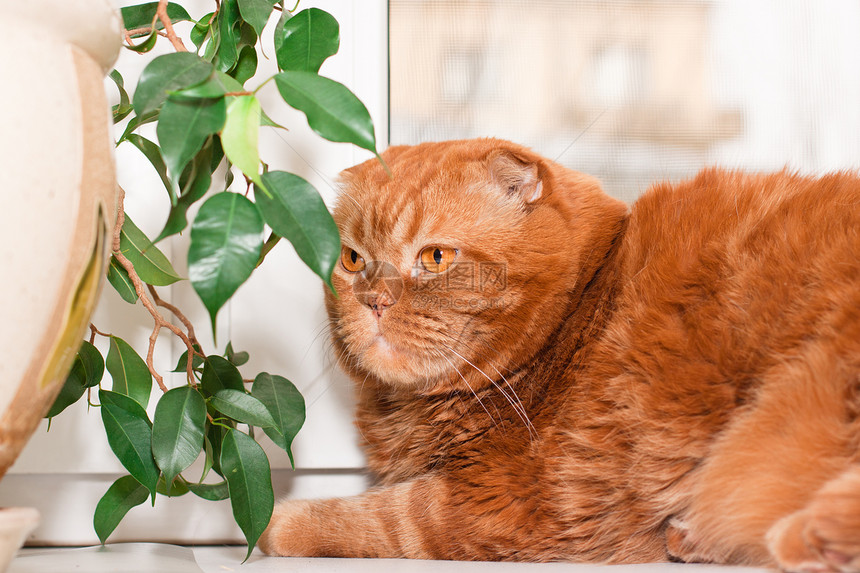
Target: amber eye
<point>351,260</point>
<point>437,259</point>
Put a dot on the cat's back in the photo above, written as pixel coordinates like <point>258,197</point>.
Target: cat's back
<point>729,248</point>
<point>734,219</point>
<point>724,277</point>
<point>734,351</point>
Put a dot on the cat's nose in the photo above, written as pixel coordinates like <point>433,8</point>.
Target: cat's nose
<point>379,302</point>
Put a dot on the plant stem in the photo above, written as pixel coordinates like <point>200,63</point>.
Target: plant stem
<point>189,364</point>
<point>94,331</point>
<point>161,12</point>
<point>147,303</point>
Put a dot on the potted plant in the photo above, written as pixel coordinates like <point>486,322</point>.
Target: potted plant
<point>207,120</point>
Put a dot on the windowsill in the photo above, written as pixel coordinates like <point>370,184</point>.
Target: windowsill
<point>161,558</point>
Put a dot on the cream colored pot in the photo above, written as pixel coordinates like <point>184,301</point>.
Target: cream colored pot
<point>58,193</point>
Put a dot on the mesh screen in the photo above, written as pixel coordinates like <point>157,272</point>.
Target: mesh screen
<point>634,91</point>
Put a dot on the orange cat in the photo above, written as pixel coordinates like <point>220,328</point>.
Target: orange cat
<point>544,374</point>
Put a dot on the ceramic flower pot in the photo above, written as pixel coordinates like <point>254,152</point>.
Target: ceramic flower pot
<point>58,192</point>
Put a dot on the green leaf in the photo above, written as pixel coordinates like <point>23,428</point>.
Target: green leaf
<point>87,371</point>
<point>286,405</point>
<point>214,42</point>
<point>295,211</point>
<point>214,437</point>
<point>120,85</point>
<point>141,15</point>
<point>212,87</point>
<point>136,122</point>
<point>270,244</point>
<point>129,372</point>
<point>242,407</point>
<point>246,469</point>
<point>119,279</point>
<point>167,73</point>
<point>226,239</point>
<point>209,456</point>
<point>150,263</point>
<point>146,45</point>
<point>305,41</point>
<point>151,151</point>
<point>200,30</point>
<point>228,21</point>
<point>177,430</point>
<point>247,37</point>
<point>129,433</point>
<point>93,364</point>
<point>195,182</point>
<point>332,110</point>
<point>124,494</point>
<point>240,136</point>
<point>269,122</point>
<point>219,374</point>
<point>183,128</point>
<point>246,65</point>
<point>182,363</point>
<point>235,358</point>
<point>177,488</point>
<point>124,107</point>
<point>256,13</point>
<point>211,492</point>
<point>230,83</point>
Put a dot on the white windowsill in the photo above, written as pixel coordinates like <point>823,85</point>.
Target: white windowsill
<point>151,558</point>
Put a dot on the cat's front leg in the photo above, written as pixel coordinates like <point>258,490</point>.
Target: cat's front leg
<point>394,521</point>
<point>423,518</point>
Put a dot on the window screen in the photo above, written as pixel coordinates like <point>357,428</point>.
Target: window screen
<point>634,91</point>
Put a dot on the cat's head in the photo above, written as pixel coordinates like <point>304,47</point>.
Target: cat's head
<point>458,266</point>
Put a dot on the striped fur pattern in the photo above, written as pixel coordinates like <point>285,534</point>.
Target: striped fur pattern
<point>586,382</point>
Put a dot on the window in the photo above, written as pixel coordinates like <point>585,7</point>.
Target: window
<point>633,92</point>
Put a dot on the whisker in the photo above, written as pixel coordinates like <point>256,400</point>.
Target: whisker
<point>502,376</point>
<point>518,408</point>
<point>465,344</point>
<point>472,390</point>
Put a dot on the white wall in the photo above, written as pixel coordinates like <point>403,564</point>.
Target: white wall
<point>277,316</point>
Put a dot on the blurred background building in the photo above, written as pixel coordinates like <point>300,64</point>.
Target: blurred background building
<point>634,91</point>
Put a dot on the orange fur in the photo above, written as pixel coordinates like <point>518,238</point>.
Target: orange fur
<point>679,380</point>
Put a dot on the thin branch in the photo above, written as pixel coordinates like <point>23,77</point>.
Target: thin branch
<point>189,362</point>
<point>149,356</point>
<point>147,303</point>
<point>161,12</point>
<point>176,312</point>
<point>143,30</point>
<point>94,331</point>
<point>159,320</point>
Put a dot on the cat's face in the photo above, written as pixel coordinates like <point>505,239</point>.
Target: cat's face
<point>455,268</point>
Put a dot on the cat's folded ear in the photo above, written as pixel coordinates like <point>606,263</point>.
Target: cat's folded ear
<point>516,174</point>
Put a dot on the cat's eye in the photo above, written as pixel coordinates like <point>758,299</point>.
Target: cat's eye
<point>351,261</point>
<point>436,259</point>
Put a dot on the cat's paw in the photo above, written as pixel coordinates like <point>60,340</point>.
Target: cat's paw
<point>682,545</point>
<point>288,533</point>
<point>813,542</point>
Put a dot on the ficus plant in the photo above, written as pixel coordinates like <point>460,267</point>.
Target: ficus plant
<point>207,120</point>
